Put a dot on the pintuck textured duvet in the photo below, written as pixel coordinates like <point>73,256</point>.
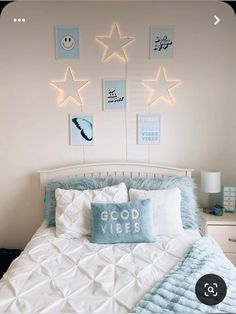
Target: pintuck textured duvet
<point>55,275</point>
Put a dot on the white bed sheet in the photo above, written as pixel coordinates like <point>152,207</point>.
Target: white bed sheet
<point>73,276</point>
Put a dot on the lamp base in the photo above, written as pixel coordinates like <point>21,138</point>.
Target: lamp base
<point>214,199</point>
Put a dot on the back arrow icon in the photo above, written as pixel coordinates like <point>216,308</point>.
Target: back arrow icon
<point>217,20</point>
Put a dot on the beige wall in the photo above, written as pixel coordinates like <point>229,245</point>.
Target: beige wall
<point>198,132</point>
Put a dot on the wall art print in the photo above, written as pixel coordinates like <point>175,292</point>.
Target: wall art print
<point>81,129</point>
<point>114,95</point>
<point>148,129</point>
<point>67,43</point>
<point>161,42</point>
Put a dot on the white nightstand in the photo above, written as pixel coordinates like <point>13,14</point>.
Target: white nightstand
<point>223,230</point>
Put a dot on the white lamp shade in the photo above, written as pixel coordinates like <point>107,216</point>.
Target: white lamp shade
<point>211,181</point>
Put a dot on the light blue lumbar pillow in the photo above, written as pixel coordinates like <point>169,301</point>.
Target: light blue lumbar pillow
<point>123,222</point>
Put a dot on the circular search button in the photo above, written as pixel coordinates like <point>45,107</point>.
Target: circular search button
<point>211,289</point>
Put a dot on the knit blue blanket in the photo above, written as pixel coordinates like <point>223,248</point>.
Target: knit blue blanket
<point>175,292</point>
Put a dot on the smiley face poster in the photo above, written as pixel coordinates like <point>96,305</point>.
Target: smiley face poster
<point>67,43</point>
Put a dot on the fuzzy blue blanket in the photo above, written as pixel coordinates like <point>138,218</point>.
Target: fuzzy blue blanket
<point>175,292</point>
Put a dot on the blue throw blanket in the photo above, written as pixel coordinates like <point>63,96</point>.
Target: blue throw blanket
<point>175,292</point>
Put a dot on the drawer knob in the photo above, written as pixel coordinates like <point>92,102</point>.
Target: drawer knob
<point>232,240</point>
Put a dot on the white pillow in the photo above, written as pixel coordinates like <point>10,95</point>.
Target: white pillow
<point>166,209</point>
<point>73,208</point>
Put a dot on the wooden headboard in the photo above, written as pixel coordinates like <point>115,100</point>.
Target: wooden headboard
<point>104,169</point>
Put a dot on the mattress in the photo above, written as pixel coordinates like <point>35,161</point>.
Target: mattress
<point>75,276</point>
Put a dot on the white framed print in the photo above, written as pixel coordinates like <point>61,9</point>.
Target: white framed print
<point>148,129</point>
<point>161,42</point>
<point>67,42</point>
<point>81,129</point>
<point>114,95</point>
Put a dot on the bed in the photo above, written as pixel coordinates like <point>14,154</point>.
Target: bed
<point>60,275</point>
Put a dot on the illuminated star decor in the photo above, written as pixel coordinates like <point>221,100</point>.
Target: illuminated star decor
<point>114,44</point>
<point>161,87</point>
<point>69,88</point>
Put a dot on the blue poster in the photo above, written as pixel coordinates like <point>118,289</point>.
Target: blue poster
<point>81,130</point>
<point>67,43</point>
<point>161,42</point>
<point>148,129</point>
<point>114,95</point>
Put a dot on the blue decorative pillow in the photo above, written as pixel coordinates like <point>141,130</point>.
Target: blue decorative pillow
<point>122,223</point>
<point>189,212</point>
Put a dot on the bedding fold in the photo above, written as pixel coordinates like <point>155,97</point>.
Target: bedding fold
<point>175,292</point>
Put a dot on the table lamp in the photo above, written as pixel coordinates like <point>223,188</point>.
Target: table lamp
<point>211,183</point>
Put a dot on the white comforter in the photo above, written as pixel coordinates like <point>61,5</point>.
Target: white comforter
<point>68,276</point>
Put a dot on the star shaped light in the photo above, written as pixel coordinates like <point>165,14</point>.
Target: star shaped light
<point>161,87</point>
<point>114,44</point>
<point>69,88</point>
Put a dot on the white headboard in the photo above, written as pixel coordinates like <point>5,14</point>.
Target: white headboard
<point>104,169</point>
